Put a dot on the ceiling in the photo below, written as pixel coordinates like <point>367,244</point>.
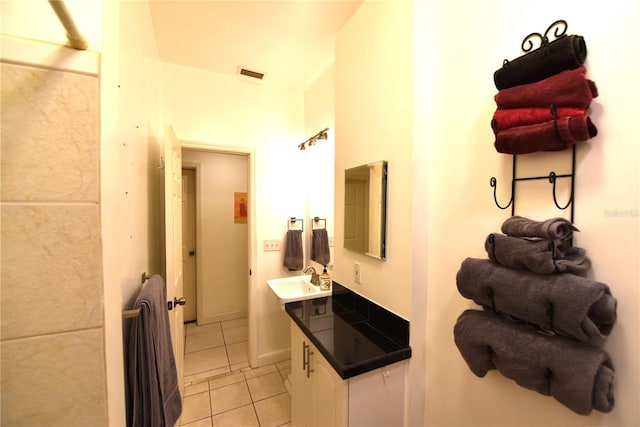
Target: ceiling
<point>290,41</point>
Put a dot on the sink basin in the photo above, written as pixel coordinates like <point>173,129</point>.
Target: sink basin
<point>295,288</point>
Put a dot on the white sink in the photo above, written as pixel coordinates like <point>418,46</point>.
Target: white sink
<point>295,288</point>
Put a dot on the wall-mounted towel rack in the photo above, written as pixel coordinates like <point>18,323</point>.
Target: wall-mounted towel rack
<point>136,311</point>
<point>316,221</point>
<point>552,177</point>
<point>556,52</point>
<point>291,224</point>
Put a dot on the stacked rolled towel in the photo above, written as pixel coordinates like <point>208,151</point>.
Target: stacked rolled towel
<point>542,324</point>
<point>554,228</point>
<point>569,88</point>
<point>542,247</point>
<point>538,255</point>
<point>577,375</point>
<point>564,53</point>
<point>522,126</point>
<point>566,304</point>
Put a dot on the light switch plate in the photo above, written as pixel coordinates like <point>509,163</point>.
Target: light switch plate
<point>271,245</point>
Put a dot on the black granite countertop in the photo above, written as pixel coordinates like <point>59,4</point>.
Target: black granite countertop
<point>354,334</point>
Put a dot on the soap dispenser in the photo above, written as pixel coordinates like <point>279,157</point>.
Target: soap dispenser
<point>325,280</point>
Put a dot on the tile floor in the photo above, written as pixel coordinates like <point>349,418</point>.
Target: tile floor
<point>221,389</point>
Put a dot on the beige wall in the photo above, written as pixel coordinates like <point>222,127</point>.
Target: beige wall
<point>53,370</point>
<point>374,105</point>
<point>319,113</point>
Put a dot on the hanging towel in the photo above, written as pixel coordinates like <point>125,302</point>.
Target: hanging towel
<point>554,228</point>
<point>320,246</point>
<point>153,378</point>
<point>564,53</point>
<point>565,304</point>
<point>513,117</point>
<point>555,135</point>
<point>543,256</point>
<point>293,252</point>
<point>567,89</point>
<point>579,376</point>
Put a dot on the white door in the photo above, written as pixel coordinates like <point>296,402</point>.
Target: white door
<point>173,243</point>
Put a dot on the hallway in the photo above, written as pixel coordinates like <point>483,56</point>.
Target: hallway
<point>221,389</point>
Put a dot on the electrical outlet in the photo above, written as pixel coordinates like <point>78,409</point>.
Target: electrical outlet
<point>357,275</point>
<point>271,245</point>
<point>330,241</point>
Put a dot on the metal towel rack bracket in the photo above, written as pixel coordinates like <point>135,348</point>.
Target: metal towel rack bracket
<point>552,177</point>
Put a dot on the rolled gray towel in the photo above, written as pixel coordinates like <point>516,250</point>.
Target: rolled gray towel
<point>566,304</point>
<point>577,375</point>
<point>554,228</point>
<point>543,256</point>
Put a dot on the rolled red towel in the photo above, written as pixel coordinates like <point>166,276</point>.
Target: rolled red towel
<point>547,136</point>
<point>512,117</point>
<point>566,89</point>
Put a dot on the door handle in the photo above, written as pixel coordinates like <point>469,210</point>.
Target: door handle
<point>192,253</point>
<point>306,358</point>
<point>176,302</point>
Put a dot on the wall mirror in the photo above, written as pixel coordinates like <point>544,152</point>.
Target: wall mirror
<point>365,209</point>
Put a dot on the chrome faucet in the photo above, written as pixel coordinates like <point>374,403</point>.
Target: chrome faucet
<point>315,277</point>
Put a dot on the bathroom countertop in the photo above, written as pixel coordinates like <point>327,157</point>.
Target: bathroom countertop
<point>354,334</point>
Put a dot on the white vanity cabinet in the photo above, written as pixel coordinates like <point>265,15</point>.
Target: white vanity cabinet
<point>318,393</point>
<point>320,397</point>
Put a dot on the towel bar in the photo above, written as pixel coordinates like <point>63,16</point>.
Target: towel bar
<point>292,223</point>
<point>317,220</point>
<point>126,314</point>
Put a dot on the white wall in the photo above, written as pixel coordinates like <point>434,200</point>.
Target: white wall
<point>458,47</point>
<point>222,244</point>
<point>319,113</point>
<point>131,176</point>
<point>213,110</point>
<point>374,120</point>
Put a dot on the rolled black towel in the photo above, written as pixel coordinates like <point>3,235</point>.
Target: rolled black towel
<point>577,375</point>
<point>564,53</point>
<point>543,256</point>
<point>554,228</point>
<point>566,304</point>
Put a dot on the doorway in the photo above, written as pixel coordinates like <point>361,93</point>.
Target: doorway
<point>220,245</point>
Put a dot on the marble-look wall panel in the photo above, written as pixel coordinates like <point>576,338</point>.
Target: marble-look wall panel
<point>51,269</point>
<point>50,141</point>
<point>54,380</point>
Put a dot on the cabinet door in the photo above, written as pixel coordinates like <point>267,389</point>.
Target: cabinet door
<point>328,394</point>
<point>298,377</point>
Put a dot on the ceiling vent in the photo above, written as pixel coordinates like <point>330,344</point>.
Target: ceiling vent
<point>250,73</point>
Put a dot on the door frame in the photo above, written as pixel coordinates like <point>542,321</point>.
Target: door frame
<point>251,244</point>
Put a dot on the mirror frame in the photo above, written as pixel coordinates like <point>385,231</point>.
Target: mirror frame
<point>383,210</point>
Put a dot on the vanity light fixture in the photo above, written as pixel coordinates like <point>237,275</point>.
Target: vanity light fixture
<point>312,141</point>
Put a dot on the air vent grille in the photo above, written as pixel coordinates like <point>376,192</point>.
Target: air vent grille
<point>250,73</point>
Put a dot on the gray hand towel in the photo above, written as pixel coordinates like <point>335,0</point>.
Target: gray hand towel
<point>579,376</point>
<point>153,378</point>
<point>543,256</point>
<point>320,246</point>
<point>566,304</point>
<point>293,252</point>
<point>555,228</point>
